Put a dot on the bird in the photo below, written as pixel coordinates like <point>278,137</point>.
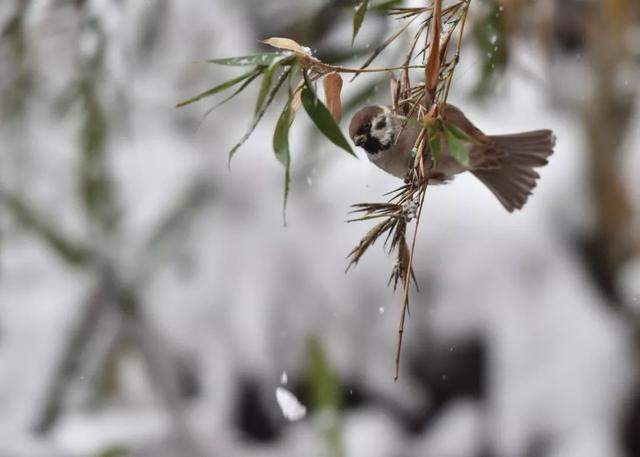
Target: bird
<point>503,163</point>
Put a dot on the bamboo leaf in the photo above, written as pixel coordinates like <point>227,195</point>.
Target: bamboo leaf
<point>435,141</point>
<point>459,133</point>
<point>322,118</point>
<point>267,80</point>
<point>258,116</point>
<point>456,147</point>
<point>219,88</point>
<point>73,252</point>
<point>236,92</point>
<point>281,149</point>
<point>325,390</point>
<point>308,83</point>
<point>358,18</point>
<point>264,60</point>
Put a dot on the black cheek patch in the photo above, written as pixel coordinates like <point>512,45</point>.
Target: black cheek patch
<point>373,145</point>
<point>380,125</point>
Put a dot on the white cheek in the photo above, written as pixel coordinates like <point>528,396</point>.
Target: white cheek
<point>384,136</point>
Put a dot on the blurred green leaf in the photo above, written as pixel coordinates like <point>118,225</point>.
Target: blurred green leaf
<point>114,451</point>
<point>358,18</point>
<point>490,37</point>
<point>281,149</point>
<point>219,88</point>
<point>194,199</point>
<point>264,59</point>
<point>72,252</point>
<point>385,5</point>
<point>326,396</point>
<point>326,393</point>
<point>95,180</point>
<point>363,95</point>
<point>456,147</point>
<point>323,119</point>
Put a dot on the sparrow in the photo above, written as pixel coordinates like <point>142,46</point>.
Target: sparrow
<point>503,163</point>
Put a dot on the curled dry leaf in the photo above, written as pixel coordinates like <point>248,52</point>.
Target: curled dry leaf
<point>332,88</point>
<point>432,70</point>
<point>296,101</point>
<point>302,52</point>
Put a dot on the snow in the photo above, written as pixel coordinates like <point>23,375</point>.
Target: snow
<point>291,408</point>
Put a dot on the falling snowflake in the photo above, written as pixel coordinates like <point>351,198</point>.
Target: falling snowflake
<point>291,408</point>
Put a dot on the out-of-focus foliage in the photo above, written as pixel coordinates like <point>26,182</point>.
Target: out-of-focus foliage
<point>490,39</point>
<point>326,396</point>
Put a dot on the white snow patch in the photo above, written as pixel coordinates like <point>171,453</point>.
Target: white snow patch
<point>291,408</point>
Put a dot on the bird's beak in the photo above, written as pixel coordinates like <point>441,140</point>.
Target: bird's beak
<point>360,140</point>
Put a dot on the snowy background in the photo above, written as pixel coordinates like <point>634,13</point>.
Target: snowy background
<point>202,304</point>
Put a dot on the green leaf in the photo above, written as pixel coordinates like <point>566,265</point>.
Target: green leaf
<point>264,60</point>
<point>358,18</point>
<point>219,88</point>
<point>281,136</point>
<point>457,147</point>
<point>323,119</point>
<point>435,141</point>
<point>458,132</point>
<point>266,82</point>
<point>308,82</point>
<point>281,149</point>
<point>264,90</point>
<point>236,92</point>
<point>258,116</point>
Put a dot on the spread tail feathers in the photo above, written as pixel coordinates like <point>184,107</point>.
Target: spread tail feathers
<point>514,179</point>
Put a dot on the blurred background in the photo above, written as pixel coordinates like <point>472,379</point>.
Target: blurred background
<point>151,301</point>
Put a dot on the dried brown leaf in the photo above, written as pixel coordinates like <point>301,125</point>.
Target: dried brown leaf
<point>302,53</point>
<point>368,240</point>
<point>432,70</point>
<point>332,88</point>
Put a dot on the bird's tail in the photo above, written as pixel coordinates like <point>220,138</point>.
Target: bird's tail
<point>513,181</point>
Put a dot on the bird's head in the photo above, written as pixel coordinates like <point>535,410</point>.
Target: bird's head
<point>373,129</point>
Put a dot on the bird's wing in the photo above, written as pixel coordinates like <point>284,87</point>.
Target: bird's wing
<point>485,154</point>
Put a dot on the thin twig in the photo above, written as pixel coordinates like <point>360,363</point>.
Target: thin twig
<point>458,47</point>
<point>408,274</point>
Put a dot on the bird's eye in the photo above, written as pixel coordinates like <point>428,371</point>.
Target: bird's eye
<point>366,127</point>
<point>381,124</point>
